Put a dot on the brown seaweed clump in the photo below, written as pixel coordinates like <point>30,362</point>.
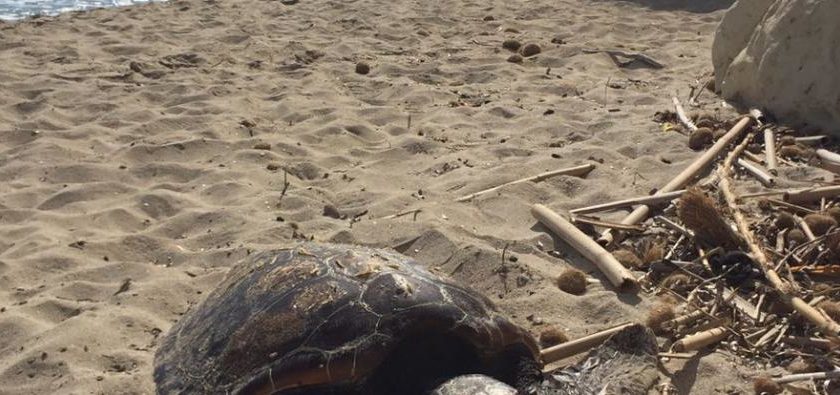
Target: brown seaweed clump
<point>700,138</point>
<point>658,315</point>
<point>701,214</point>
<point>572,281</point>
<point>766,385</point>
<point>820,224</point>
<point>552,336</point>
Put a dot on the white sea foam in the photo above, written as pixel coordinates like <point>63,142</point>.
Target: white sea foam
<point>17,9</point>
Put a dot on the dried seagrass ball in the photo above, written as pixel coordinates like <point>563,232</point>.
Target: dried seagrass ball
<point>652,251</point>
<point>530,49</point>
<point>796,237</point>
<point>833,212</point>
<point>700,138</point>
<point>800,365</point>
<point>627,258</point>
<point>362,68</point>
<point>515,58</point>
<point>787,140</point>
<point>785,221</point>
<point>820,223</point>
<point>766,385</point>
<point>794,152</point>
<point>831,308</point>
<point>677,282</point>
<point>658,315</point>
<point>552,336</point>
<point>572,281</point>
<point>511,45</point>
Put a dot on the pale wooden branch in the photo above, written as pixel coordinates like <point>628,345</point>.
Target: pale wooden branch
<point>644,200</point>
<point>824,323</point>
<point>578,171</point>
<point>681,180</point>
<point>681,115</point>
<point>577,346</point>
<point>618,275</point>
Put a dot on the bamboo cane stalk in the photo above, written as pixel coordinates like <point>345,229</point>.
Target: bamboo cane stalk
<point>577,346</point>
<point>618,275</point>
<point>770,151</point>
<point>681,180</point>
<point>700,339</point>
<point>811,140</point>
<point>578,171</point>
<point>607,224</point>
<point>644,200</point>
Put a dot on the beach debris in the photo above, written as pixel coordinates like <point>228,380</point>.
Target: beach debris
<point>738,262</point>
<point>552,336</point>
<point>511,45</point>
<point>580,345</point>
<point>515,58</point>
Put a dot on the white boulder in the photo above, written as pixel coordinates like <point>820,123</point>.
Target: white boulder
<point>782,56</point>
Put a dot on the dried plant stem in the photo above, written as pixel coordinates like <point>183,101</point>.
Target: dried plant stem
<point>681,180</point>
<point>820,320</point>
<point>578,171</point>
<point>647,200</point>
<point>577,346</point>
<point>756,171</point>
<point>792,378</point>
<point>700,339</point>
<point>681,115</point>
<point>811,194</point>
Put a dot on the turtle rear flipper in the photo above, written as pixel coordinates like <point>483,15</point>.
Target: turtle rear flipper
<point>625,364</point>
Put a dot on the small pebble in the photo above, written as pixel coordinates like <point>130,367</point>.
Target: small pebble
<point>272,166</point>
<point>489,18</point>
<point>331,211</point>
<point>572,281</point>
<point>263,146</point>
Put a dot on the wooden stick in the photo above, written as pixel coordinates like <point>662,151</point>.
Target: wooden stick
<point>700,339</point>
<point>684,319</point>
<point>681,180</point>
<point>805,228</point>
<point>578,171</point>
<point>792,378</point>
<point>824,323</point>
<point>770,151</point>
<point>618,275</point>
<point>828,156</point>
<point>824,344</point>
<point>577,346</point>
<point>645,200</point>
<point>756,171</point>
<point>674,226</point>
<point>811,194</point>
<point>681,115</point>
<point>607,224</point>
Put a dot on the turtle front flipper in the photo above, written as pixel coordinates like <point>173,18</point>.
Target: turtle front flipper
<point>625,364</point>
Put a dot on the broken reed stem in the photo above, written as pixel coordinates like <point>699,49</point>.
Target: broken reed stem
<point>805,228</point>
<point>770,150</point>
<point>578,171</point>
<point>618,275</point>
<point>645,200</point>
<point>792,378</point>
<point>811,194</point>
<point>700,339</point>
<point>607,224</point>
<point>824,323</point>
<point>756,171</point>
<point>681,180</point>
<point>681,115</point>
<point>577,346</point>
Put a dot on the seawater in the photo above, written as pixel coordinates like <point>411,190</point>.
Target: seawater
<point>17,9</point>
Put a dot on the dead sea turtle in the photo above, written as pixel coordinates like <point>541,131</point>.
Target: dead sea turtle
<point>336,319</point>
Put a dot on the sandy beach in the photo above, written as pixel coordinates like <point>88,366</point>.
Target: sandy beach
<point>145,150</point>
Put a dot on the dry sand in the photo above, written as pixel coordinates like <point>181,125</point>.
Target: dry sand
<point>131,174</point>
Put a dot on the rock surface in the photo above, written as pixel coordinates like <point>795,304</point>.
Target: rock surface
<point>782,56</point>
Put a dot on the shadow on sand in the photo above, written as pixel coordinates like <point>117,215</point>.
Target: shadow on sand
<point>698,6</point>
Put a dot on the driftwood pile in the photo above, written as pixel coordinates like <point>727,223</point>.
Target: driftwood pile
<point>743,246</point>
